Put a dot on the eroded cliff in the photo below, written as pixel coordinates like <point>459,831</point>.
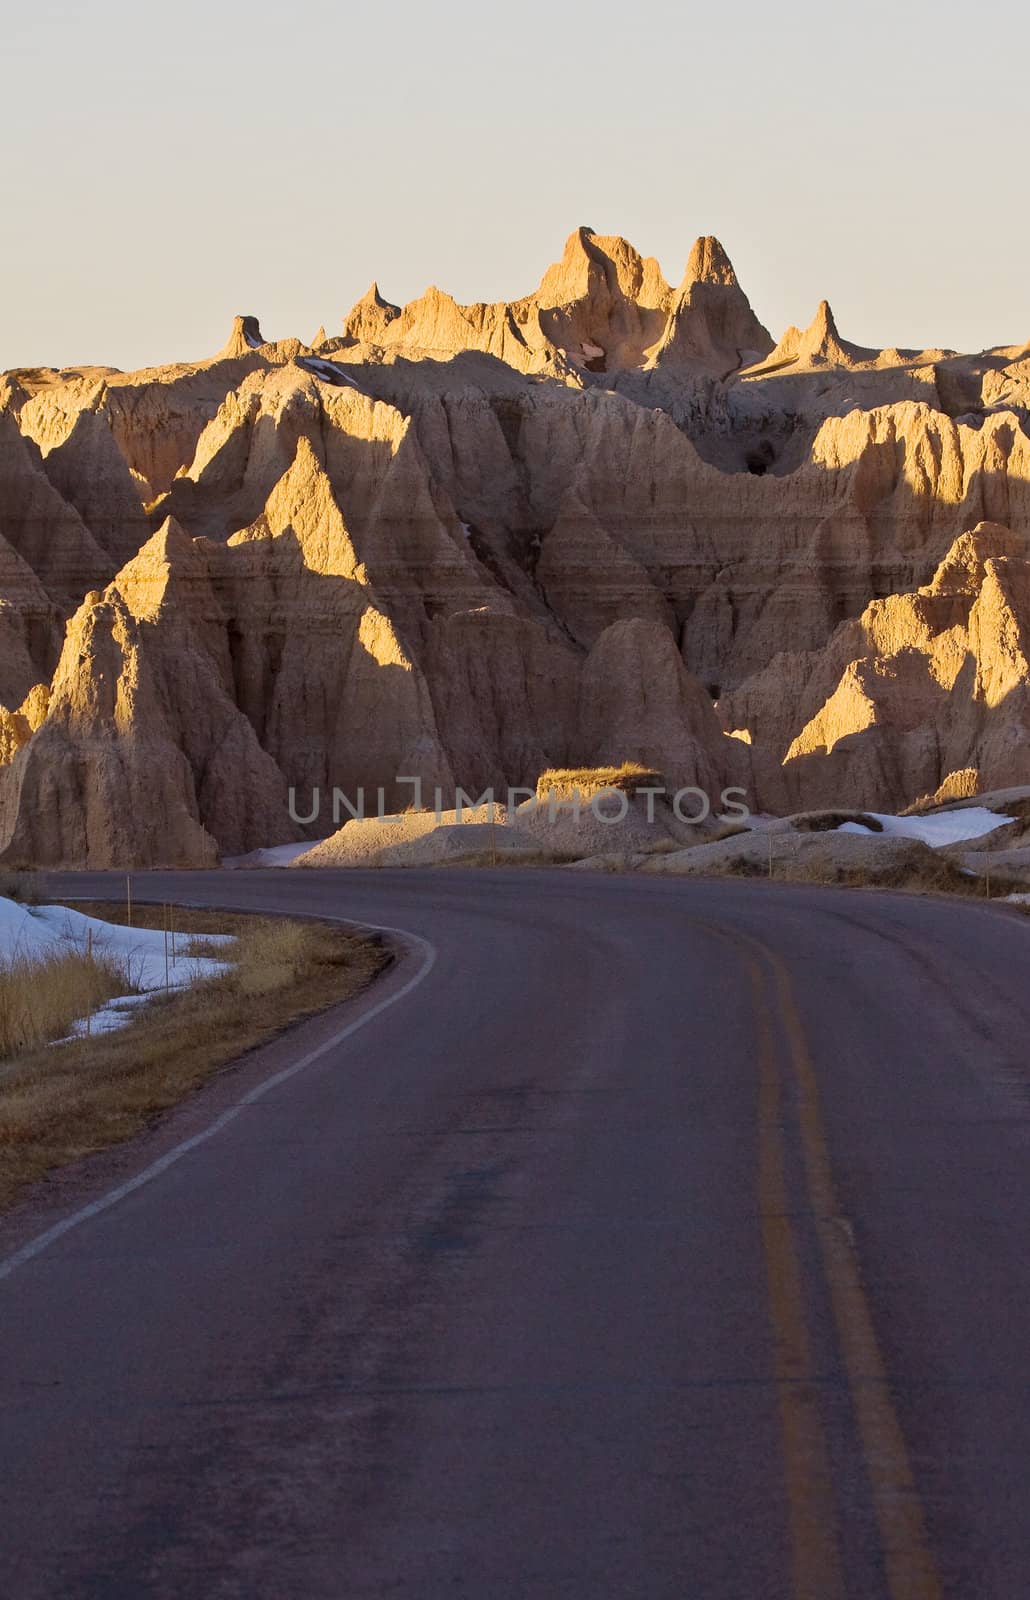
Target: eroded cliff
<point>610,521</point>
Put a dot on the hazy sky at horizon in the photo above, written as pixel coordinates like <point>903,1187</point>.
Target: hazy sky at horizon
<point>166,170</point>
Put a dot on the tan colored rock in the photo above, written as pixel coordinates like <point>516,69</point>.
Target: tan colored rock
<point>81,458</point>
<point>30,633</point>
<point>246,335</point>
<point>466,542</point>
<point>603,305</point>
<point>711,324</point>
<point>101,783</point>
<point>320,670</point>
<point>639,703</point>
<point>919,689</point>
<point>17,727</point>
<point>601,308</point>
<point>590,580</point>
<point>392,838</point>
<point>818,345</point>
<point>369,319</point>
<point>505,694</point>
<point>45,531</point>
<point>829,857</point>
<point>141,743</point>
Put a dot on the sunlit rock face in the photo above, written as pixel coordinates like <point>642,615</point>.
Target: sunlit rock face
<point>615,519</point>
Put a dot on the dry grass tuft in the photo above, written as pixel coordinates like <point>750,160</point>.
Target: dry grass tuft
<point>963,784</point>
<point>271,956</point>
<point>40,1000</point>
<point>565,782</point>
<point>62,1102</point>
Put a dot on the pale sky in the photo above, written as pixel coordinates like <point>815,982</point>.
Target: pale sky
<point>167,167</point>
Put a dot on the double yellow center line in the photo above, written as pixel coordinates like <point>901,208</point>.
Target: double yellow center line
<point>817,1572</point>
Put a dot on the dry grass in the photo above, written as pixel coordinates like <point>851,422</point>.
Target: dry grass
<point>932,874</point>
<point>513,858</point>
<point>935,875</point>
<point>921,807</point>
<point>40,1000</point>
<point>827,821</point>
<point>62,1102</point>
<point>960,785</point>
<point>565,782</point>
<point>623,860</point>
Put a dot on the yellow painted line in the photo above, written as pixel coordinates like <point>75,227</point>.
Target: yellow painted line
<point>911,1571</point>
<point>815,1554</point>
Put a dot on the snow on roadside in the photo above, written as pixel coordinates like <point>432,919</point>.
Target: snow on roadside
<point>271,855</point>
<point>39,933</point>
<point>939,829</point>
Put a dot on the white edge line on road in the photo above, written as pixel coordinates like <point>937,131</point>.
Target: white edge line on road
<point>35,1247</point>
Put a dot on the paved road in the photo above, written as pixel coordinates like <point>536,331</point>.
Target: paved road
<point>661,1240</point>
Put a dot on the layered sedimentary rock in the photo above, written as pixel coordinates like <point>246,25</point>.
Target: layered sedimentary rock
<point>601,308</point>
<point>924,693</point>
<point>711,323</point>
<point>611,520</point>
<point>41,526</point>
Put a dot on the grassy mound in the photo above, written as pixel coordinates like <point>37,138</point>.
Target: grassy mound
<point>566,782</point>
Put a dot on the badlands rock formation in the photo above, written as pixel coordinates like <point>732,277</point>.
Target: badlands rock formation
<point>612,520</point>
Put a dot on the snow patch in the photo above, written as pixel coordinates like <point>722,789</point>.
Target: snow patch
<point>39,933</point>
<point>272,855</point>
<point>942,828</point>
<point>328,371</point>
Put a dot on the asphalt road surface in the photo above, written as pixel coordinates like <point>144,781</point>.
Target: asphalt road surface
<point>647,1239</point>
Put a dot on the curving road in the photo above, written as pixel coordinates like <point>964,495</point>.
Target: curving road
<point>648,1239</point>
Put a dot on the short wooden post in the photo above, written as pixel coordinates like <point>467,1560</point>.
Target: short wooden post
<point>89,982</point>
